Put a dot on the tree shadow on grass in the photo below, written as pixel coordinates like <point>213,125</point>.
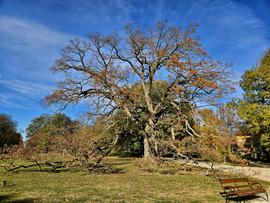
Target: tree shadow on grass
<point>120,163</point>
<point>106,170</point>
<point>38,171</point>
<point>10,199</point>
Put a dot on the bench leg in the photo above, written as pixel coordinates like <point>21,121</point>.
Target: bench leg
<point>266,194</point>
<point>260,196</point>
<point>228,200</point>
<point>266,199</point>
<point>248,198</point>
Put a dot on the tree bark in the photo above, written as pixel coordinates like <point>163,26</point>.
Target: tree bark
<point>173,135</point>
<point>147,151</point>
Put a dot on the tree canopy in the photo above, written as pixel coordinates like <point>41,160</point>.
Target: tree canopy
<point>8,131</point>
<point>42,130</point>
<point>254,109</point>
<point>101,70</point>
<point>256,82</point>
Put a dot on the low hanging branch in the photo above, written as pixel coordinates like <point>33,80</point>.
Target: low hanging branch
<point>104,154</point>
<point>79,150</point>
<point>12,166</point>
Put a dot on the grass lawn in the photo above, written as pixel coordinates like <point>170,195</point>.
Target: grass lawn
<point>122,181</point>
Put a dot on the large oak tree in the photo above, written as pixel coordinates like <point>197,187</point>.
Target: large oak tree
<point>101,70</point>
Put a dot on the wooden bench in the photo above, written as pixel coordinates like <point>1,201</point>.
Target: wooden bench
<point>241,189</point>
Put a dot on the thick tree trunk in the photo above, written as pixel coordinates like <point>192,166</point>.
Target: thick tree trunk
<point>150,144</point>
<point>147,150</point>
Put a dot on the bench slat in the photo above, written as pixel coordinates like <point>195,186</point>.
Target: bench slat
<point>246,192</point>
<point>236,180</point>
<point>236,186</point>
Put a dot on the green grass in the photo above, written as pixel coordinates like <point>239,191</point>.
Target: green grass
<point>120,181</point>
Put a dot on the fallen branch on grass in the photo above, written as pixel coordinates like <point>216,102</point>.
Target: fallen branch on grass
<point>9,167</point>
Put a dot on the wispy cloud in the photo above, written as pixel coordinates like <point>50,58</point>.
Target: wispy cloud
<point>19,33</point>
<point>11,101</point>
<point>22,94</point>
<point>27,89</point>
<point>230,26</point>
<point>28,48</point>
<point>242,27</point>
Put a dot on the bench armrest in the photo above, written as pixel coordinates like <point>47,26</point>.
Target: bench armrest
<point>230,188</point>
<point>258,185</point>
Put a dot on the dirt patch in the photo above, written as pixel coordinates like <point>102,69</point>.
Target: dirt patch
<point>256,172</point>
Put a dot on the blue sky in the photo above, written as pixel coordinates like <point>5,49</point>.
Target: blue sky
<point>32,33</point>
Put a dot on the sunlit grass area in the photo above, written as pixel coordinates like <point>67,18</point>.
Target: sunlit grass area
<point>119,180</point>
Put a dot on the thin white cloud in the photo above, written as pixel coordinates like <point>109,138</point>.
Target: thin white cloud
<point>232,25</point>
<point>27,89</point>
<point>22,94</point>
<point>29,49</point>
<point>19,33</point>
<point>246,29</point>
<point>11,101</point>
